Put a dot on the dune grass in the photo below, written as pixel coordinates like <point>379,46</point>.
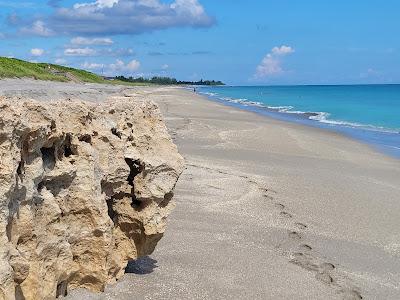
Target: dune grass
<point>16,68</point>
<point>10,67</point>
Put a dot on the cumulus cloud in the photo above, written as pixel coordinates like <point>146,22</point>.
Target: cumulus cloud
<point>120,52</point>
<point>164,67</point>
<point>282,50</point>
<point>119,65</point>
<point>80,52</point>
<point>37,28</point>
<point>271,65</point>
<point>82,41</point>
<point>113,17</point>
<point>37,52</point>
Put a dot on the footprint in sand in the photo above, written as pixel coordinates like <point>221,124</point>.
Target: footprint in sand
<point>304,260</point>
<point>301,226</point>
<point>286,214</point>
<point>351,295</point>
<point>305,247</point>
<point>327,267</point>
<point>268,190</point>
<point>269,197</point>
<point>294,235</point>
<point>324,277</point>
<point>279,206</point>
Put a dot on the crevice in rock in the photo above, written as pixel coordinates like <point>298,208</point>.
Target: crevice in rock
<point>68,151</point>
<point>56,184</point>
<point>40,186</point>
<point>167,198</point>
<point>9,229</point>
<point>115,132</point>
<point>87,138</point>
<point>20,170</point>
<point>136,167</point>
<point>19,295</point>
<point>111,212</point>
<point>53,125</point>
<point>48,157</point>
<point>3,138</point>
<point>62,289</point>
<point>136,204</point>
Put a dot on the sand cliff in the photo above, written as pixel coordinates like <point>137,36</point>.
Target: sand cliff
<point>84,188</point>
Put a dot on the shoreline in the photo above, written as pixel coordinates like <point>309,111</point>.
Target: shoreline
<point>382,139</point>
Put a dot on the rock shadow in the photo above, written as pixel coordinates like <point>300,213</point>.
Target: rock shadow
<point>141,266</point>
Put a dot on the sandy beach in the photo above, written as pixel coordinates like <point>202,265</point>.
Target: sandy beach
<point>265,209</point>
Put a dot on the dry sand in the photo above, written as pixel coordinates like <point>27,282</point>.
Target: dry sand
<point>267,210</point>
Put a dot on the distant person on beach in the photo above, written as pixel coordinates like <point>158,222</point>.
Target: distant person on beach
<point>194,90</point>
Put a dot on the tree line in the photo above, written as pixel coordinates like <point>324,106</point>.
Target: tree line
<point>167,81</point>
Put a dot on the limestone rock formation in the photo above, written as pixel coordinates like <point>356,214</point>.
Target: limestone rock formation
<point>84,188</point>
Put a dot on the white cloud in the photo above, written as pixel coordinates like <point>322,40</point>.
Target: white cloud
<point>38,28</point>
<point>119,65</point>
<point>282,50</point>
<point>98,3</point>
<point>37,52</point>
<point>164,67</point>
<point>118,68</point>
<point>80,51</point>
<point>60,61</point>
<point>112,17</point>
<point>271,65</point>
<point>268,66</point>
<point>87,51</point>
<point>82,41</point>
<point>116,52</point>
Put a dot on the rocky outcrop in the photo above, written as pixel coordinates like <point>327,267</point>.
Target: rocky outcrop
<point>84,188</point>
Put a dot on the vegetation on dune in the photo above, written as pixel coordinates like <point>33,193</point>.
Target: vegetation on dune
<point>77,73</point>
<point>11,67</point>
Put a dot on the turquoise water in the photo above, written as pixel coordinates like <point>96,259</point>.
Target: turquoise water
<point>370,113</point>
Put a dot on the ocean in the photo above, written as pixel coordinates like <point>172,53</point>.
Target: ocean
<point>368,113</point>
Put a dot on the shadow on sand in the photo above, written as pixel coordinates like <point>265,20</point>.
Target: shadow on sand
<point>141,266</point>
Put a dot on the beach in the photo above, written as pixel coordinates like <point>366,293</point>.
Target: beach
<point>266,209</point>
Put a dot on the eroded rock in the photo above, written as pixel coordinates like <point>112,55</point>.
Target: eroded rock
<point>84,188</point>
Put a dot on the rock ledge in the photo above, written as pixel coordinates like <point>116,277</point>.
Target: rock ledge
<point>84,188</point>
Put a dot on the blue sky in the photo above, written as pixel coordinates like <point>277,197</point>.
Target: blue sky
<point>239,42</point>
